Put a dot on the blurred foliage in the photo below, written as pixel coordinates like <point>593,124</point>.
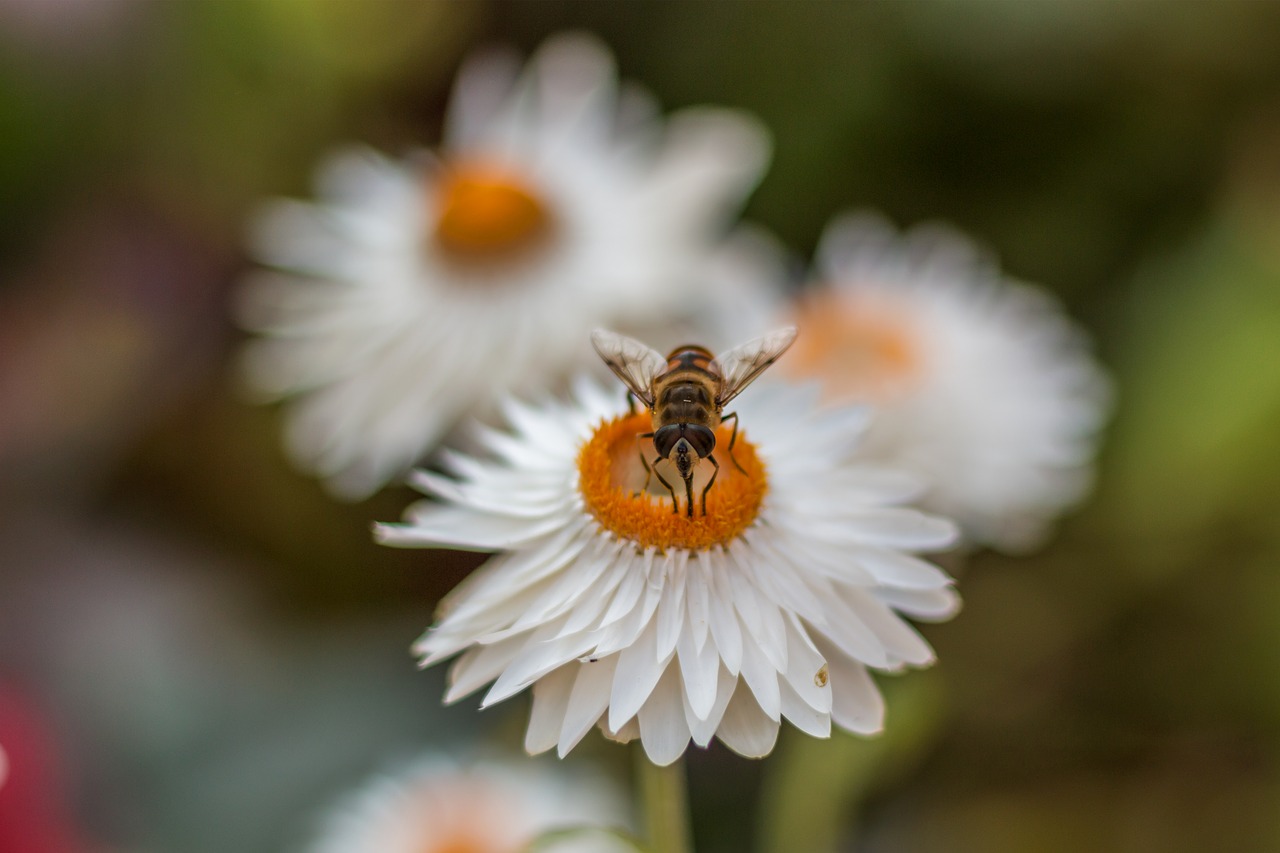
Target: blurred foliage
<point>1119,691</point>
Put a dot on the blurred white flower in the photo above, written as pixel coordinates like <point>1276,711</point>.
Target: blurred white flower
<point>982,385</point>
<point>742,292</point>
<point>415,292</point>
<point>437,805</point>
<point>621,613</point>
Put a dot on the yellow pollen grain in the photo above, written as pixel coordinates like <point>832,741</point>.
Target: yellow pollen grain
<point>486,212</point>
<point>733,503</point>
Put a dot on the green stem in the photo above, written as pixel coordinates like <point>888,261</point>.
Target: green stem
<point>665,802</point>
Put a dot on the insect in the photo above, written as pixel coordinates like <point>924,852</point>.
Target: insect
<point>686,393</point>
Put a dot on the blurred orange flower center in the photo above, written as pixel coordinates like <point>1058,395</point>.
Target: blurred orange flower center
<point>859,351</point>
<point>611,476</point>
<point>459,844</point>
<point>487,212</point>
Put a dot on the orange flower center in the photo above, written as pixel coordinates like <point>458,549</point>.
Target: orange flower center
<point>486,212</point>
<point>612,478</point>
<point>860,351</point>
<point>460,814</point>
<point>460,845</point>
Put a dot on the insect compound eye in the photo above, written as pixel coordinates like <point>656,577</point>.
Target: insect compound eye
<point>701,439</point>
<point>665,439</point>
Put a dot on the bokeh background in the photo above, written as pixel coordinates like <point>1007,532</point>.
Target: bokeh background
<point>199,648</point>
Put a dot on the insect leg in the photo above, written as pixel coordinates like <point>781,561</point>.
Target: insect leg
<point>732,438</point>
<point>675,507</point>
<point>711,457</point>
<point>648,472</point>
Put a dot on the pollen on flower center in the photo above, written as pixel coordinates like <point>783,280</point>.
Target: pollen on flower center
<point>859,350</point>
<point>484,212</point>
<point>610,476</point>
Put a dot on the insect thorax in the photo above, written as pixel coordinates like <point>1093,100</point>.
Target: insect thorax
<point>687,399</point>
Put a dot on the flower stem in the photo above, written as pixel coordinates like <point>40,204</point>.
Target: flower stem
<point>665,802</point>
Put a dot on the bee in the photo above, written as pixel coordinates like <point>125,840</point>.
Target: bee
<point>686,393</point>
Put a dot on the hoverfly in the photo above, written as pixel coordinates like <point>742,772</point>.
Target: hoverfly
<point>686,393</point>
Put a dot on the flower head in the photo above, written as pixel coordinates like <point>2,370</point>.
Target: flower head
<point>416,292</point>
<point>982,385</point>
<point>651,624</point>
<point>436,805</point>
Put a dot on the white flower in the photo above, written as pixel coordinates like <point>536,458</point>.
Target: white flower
<point>742,288</point>
<point>416,292</point>
<point>982,385</point>
<point>436,805</point>
<point>619,612</point>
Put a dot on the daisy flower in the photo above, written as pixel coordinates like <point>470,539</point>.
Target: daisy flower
<point>436,805</point>
<point>619,613</point>
<point>414,292</point>
<point>982,385</point>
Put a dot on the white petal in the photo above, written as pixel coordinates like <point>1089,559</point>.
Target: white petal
<point>697,596</point>
<point>588,700</point>
<point>587,610</point>
<point>638,671</point>
<point>760,678</point>
<point>829,560</point>
<point>511,575</point>
<point>782,581</point>
<point>455,527</point>
<point>629,590</point>
<point>726,632</point>
<point>856,701</point>
<point>895,569</point>
<point>760,616</point>
<point>710,155</point>
<point>626,631</point>
<point>746,729</point>
<point>526,503</point>
<point>704,728</point>
<point>807,669</point>
<point>539,656</point>
<point>550,700</point>
<point>671,612</point>
<point>663,729</point>
<point>698,668</point>
<point>483,83</point>
<point>926,604</point>
<point>900,640</point>
<point>579,581</point>
<point>629,732</point>
<point>575,79</point>
<point>804,716</point>
<point>846,628</point>
<point>480,665</point>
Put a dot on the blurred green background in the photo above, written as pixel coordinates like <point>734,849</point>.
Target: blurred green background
<point>205,634</point>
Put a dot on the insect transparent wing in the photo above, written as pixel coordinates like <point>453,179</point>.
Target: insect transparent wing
<point>740,365</point>
<point>636,364</point>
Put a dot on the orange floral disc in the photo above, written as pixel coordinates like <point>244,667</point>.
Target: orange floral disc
<point>486,212</point>
<point>862,351</point>
<point>610,474</point>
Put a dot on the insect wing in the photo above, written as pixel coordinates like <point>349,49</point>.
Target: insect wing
<point>636,364</point>
<point>742,364</point>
